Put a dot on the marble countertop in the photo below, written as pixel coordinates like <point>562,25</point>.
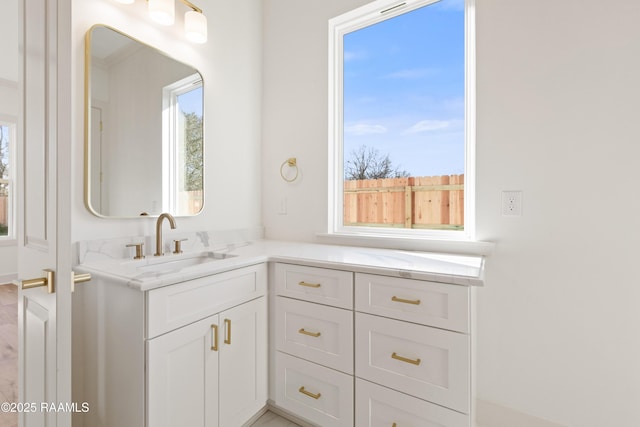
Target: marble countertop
<point>454,269</point>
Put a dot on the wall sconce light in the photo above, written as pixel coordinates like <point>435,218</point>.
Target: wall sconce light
<point>163,12</point>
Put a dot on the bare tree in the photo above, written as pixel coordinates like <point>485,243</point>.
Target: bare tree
<point>368,163</point>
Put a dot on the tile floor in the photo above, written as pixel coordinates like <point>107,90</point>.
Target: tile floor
<point>9,362</point>
<point>8,351</point>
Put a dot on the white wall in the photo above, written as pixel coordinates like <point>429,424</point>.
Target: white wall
<point>295,114</point>
<point>9,107</point>
<point>8,112</point>
<point>132,142</point>
<point>557,113</point>
<point>231,67</point>
<point>559,318</point>
<point>9,40</point>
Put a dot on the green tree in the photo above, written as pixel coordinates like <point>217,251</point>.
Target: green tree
<point>4,171</point>
<point>4,158</point>
<point>193,152</point>
<point>368,163</point>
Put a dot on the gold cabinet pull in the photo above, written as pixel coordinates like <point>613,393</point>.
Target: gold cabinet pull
<point>309,285</point>
<point>227,339</point>
<point>308,393</point>
<point>405,301</point>
<point>311,334</point>
<point>404,359</point>
<point>48,281</point>
<point>214,341</point>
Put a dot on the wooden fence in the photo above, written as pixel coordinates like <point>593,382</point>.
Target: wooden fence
<point>3,210</point>
<point>434,202</point>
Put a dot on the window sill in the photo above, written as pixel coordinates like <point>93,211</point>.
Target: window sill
<point>462,247</point>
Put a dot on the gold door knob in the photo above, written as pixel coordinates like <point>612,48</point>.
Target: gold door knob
<point>48,281</point>
<point>79,278</point>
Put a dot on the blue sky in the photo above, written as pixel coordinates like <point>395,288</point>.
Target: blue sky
<point>404,89</point>
<point>191,102</point>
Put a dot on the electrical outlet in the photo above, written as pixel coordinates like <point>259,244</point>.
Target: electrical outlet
<point>512,203</point>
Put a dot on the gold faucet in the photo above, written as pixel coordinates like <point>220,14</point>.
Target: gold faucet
<point>172,223</point>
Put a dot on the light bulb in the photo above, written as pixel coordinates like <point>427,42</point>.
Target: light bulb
<point>162,11</point>
<point>195,26</point>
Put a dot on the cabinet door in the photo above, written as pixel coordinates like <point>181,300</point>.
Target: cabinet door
<point>182,377</point>
<point>243,362</point>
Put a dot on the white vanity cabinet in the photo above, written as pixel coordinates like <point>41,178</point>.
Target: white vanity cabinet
<point>314,343</point>
<point>365,350</point>
<point>188,354</point>
<point>210,373</point>
<point>413,352</point>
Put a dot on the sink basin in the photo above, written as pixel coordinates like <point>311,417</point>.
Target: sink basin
<point>170,263</point>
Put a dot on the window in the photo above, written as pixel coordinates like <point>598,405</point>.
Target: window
<point>183,147</point>
<point>7,138</point>
<point>401,120</point>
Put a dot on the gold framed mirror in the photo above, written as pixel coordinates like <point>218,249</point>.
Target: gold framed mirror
<point>144,129</point>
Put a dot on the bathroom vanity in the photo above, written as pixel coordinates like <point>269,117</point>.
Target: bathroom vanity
<point>193,353</point>
<point>333,336</point>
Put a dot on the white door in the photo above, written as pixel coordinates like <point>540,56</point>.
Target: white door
<point>243,362</point>
<point>44,209</point>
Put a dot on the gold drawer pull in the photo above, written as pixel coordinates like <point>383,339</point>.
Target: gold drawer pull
<point>227,339</point>
<point>311,334</point>
<point>404,359</point>
<point>309,285</point>
<point>406,301</point>
<point>214,344</point>
<point>308,393</point>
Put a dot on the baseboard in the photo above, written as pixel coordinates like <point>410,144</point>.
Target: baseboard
<point>8,278</point>
<point>256,417</point>
<point>288,415</point>
<point>489,414</point>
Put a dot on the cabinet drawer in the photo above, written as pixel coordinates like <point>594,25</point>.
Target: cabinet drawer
<point>427,303</point>
<point>424,362</point>
<point>321,285</point>
<point>311,391</point>
<point>315,332</point>
<point>174,306</point>
<point>378,406</point>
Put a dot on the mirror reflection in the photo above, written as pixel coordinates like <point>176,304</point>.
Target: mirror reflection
<point>144,129</point>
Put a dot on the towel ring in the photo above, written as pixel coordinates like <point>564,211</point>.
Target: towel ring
<point>292,163</point>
